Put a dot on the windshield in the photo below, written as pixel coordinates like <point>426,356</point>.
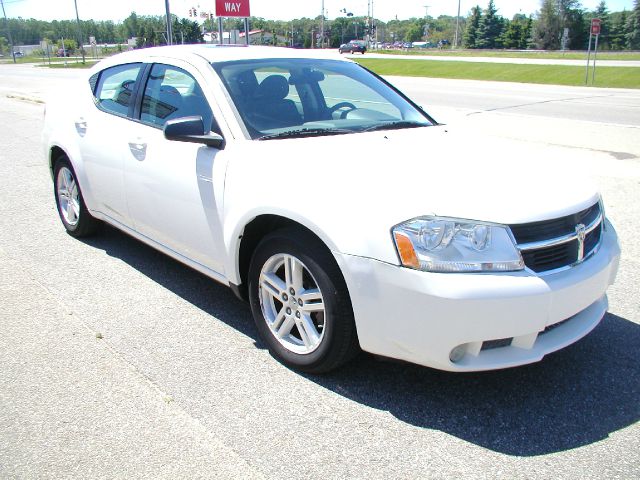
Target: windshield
<point>284,98</point>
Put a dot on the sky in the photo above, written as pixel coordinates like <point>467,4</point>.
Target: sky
<point>118,10</point>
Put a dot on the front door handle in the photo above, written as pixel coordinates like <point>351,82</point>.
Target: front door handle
<point>138,149</point>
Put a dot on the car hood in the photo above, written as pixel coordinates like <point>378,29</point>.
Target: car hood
<point>351,188</point>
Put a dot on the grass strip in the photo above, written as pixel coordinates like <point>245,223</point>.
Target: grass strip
<point>612,77</point>
<point>55,62</point>
<point>88,64</point>
<point>552,55</point>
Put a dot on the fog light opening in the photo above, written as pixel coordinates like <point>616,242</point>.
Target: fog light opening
<point>457,353</point>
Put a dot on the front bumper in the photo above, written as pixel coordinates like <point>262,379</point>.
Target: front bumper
<point>496,320</point>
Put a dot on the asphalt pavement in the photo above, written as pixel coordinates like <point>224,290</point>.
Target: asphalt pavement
<point>118,362</point>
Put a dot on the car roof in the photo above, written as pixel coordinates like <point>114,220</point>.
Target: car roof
<point>213,53</point>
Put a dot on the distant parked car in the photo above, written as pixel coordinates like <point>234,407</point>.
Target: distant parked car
<point>353,46</point>
<point>62,53</point>
<point>18,54</point>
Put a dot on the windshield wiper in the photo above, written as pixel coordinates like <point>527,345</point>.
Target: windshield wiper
<point>306,132</point>
<point>395,126</point>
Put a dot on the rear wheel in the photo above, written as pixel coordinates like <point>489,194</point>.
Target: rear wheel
<point>71,207</point>
<point>300,302</point>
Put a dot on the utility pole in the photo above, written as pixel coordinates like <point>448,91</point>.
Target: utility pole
<point>457,38</point>
<point>6,24</point>
<point>426,22</point>
<point>368,26</point>
<point>373,24</point>
<point>169,28</point>
<point>322,26</point>
<point>64,52</point>
<point>79,31</point>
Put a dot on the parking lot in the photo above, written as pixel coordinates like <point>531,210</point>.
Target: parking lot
<point>118,362</point>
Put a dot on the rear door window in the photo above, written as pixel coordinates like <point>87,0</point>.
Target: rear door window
<point>115,89</point>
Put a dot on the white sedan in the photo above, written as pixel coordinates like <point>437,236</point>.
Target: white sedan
<point>345,214</point>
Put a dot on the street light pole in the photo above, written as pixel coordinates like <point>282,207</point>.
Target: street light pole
<point>6,24</point>
<point>169,28</point>
<point>79,31</point>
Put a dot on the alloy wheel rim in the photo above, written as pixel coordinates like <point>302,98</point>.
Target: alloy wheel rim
<point>292,304</point>
<point>68,196</point>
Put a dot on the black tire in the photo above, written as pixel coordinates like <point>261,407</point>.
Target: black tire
<point>85,225</point>
<point>339,342</point>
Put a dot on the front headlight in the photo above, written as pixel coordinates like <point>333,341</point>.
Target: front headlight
<point>437,244</point>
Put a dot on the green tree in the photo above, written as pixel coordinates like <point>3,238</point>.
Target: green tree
<point>578,25</point>
<point>516,32</point>
<point>602,13</point>
<point>490,28</point>
<point>186,30</point>
<point>415,32</point>
<point>546,33</point>
<point>556,15</point>
<point>633,27</point>
<point>471,32</point>
<point>130,27</point>
<point>527,32</point>
<point>618,40</point>
<point>444,28</point>
<point>70,46</point>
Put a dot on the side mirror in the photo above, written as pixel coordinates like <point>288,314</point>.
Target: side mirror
<point>191,129</point>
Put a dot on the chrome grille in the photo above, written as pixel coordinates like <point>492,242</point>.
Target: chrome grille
<point>560,242</point>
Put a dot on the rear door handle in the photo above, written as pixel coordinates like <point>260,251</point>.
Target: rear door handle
<point>81,126</point>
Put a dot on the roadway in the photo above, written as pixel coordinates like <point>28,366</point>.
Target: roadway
<point>120,363</point>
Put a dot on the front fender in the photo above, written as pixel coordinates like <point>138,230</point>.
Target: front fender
<point>236,222</point>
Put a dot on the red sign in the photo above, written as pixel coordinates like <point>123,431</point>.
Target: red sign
<point>595,26</point>
<point>232,8</point>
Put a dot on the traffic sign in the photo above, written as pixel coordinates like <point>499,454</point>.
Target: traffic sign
<point>596,26</point>
<point>234,8</point>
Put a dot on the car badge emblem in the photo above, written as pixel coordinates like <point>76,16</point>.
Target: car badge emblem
<point>581,234</point>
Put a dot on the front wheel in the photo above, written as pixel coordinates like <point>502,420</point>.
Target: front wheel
<point>71,207</point>
<point>300,302</point>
